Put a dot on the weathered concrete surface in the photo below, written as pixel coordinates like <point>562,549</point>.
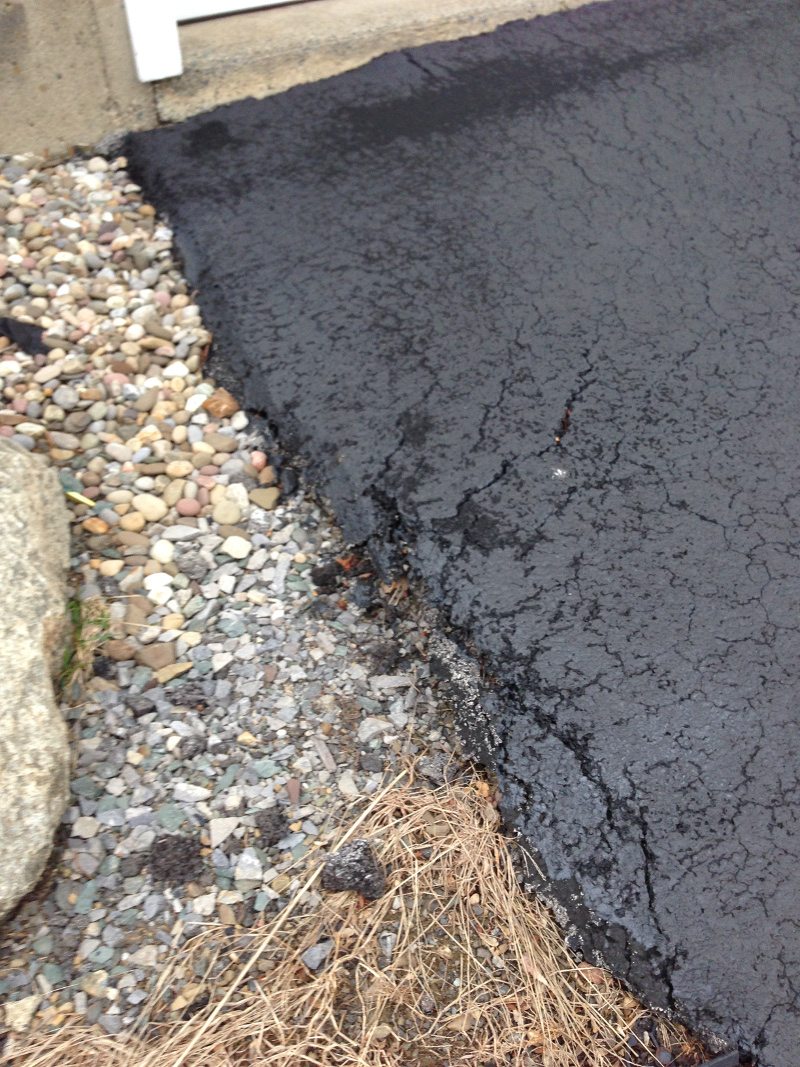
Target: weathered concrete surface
<point>34,754</point>
<point>67,76</point>
<point>258,53</point>
<point>416,269</point>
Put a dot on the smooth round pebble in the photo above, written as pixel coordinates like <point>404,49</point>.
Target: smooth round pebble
<point>151,507</point>
<point>133,522</point>
<point>188,507</point>
<point>179,468</point>
<point>118,452</point>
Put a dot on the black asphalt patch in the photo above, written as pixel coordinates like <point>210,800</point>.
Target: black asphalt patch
<point>584,227</point>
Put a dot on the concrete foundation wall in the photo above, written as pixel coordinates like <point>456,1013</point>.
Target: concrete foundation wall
<point>66,75</point>
<point>67,78</point>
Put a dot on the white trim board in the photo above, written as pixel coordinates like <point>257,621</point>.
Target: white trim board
<point>153,26</point>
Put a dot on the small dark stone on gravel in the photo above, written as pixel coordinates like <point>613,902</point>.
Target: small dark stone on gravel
<point>363,594</point>
<point>141,704</point>
<point>108,587</point>
<point>426,1003</point>
<point>104,667</point>
<point>289,482</point>
<point>192,693</point>
<point>175,860</point>
<point>130,866</point>
<point>326,577</point>
<point>354,867</point>
<point>272,826</point>
<point>438,769</point>
<point>191,747</point>
<point>371,763</point>
<point>384,656</point>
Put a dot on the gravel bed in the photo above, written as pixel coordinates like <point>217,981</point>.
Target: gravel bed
<point>253,679</point>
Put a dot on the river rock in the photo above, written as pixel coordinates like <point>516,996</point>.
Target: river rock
<point>151,507</point>
<point>34,755</point>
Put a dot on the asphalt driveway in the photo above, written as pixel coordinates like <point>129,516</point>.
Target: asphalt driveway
<point>527,303</point>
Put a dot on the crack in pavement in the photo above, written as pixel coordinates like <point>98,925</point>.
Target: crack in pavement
<point>416,270</point>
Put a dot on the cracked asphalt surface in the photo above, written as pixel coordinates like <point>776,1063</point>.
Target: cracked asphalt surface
<point>417,269</point>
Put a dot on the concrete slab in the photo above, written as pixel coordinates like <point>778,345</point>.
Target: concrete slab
<point>528,303</point>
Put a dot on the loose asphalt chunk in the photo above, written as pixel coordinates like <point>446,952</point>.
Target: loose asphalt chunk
<point>528,302</point>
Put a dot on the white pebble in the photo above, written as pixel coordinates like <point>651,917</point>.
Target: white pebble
<point>221,829</point>
<point>151,582</point>
<point>237,494</point>
<point>187,793</point>
<point>162,551</point>
<point>204,905</point>
<point>236,547</point>
<point>177,369</point>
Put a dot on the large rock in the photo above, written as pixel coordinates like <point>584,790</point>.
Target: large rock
<point>34,754</point>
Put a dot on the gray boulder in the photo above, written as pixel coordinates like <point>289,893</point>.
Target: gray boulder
<point>34,753</point>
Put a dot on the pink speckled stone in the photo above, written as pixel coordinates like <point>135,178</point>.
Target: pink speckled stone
<point>113,377</point>
<point>209,470</point>
<point>188,507</point>
<point>162,298</point>
<point>205,481</point>
<point>258,460</point>
<point>6,431</point>
<point>203,497</point>
<point>19,403</point>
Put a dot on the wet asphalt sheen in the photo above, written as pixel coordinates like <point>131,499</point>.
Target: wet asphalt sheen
<point>583,227</point>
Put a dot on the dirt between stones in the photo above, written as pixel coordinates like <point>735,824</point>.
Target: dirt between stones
<point>415,269</point>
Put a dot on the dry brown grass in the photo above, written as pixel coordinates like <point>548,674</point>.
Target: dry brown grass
<point>445,857</point>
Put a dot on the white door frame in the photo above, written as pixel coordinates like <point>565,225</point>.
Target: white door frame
<point>153,26</point>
